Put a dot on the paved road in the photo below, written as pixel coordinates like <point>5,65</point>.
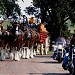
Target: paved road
<point>40,65</point>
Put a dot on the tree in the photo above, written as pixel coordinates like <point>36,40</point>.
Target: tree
<point>56,13</point>
<point>8,7</point>
<point>30,10</point>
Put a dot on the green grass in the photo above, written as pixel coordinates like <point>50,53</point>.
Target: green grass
<point>50,52</point>
<point>5,23</point>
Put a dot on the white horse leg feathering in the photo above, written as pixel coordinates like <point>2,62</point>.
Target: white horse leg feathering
<point>47,44</point>
<point>11,56</point>
<point>23,52</point>
<point>42,49</point>
<point>27,52</point>
<point>2,57</point>
<point>31,53</point>
<point>17,57</point>
<point>38,49</point>
<point>34,51</point>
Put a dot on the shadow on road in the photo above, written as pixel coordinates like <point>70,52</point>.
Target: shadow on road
<point>50,62</point>
<point>48,74</point>
<point>43,56</point>
<point>47,62</point>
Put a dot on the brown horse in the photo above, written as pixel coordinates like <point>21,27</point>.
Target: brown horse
<point>17,44</point>
<point>3,43</point>
<point>13,40</point>
<point>29,42</point>
<point>36,40</point>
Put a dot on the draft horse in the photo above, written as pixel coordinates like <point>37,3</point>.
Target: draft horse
<point>14,39</point>
<point>29,42</point>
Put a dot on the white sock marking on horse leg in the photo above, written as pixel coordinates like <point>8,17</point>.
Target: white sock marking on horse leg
<point>31,53</point>
<point>7,53</point>
<point>2,55</point>
<point>20,53</point>
<point>23,52</point>
<point>38,49</point>
<point>47,44</point>
<point>34,52</point>
<point>11,55</point>
<point>42,49</point>
<point>17,58</point>
<point>46,50</point>
<point>27,53</point>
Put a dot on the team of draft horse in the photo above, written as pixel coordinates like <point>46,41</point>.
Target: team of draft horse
<point>20,41</point>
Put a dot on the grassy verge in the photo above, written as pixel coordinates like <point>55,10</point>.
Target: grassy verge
<point>50,52</point>
<point>5,23</point>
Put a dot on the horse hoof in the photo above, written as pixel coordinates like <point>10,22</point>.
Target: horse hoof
<point>23,57</point>
<point>2,58</point>
<point>26,57</point>
<point>17,59</point>
<point>32,57</point>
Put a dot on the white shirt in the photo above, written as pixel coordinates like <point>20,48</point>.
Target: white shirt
<point>38,20</point>
<point>23,20</point>
<point>17,28</point>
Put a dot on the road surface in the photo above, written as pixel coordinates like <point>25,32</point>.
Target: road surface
<point>40,65</point>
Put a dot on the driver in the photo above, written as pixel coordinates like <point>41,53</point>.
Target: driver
<point>61,40</point>
<point>72,42</point>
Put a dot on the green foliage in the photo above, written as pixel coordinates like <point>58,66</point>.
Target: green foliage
<point>0,16</point>
<point>5,23</point>
<point>56,13</point>
<point>8,7</point>
<point>30,10</point>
